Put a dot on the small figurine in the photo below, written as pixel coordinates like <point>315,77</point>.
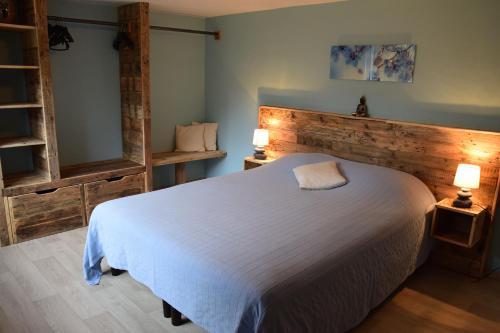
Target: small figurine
<point>362,109</point>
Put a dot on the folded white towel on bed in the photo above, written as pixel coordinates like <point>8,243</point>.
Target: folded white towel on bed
<point>319,176</point>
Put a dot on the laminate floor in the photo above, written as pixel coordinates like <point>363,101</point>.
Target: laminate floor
<point>42,290</point>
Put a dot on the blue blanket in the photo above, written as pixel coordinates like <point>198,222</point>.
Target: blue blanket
<point>251,252</point>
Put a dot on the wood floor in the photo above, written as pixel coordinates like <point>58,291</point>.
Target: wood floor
<point>42,290</point>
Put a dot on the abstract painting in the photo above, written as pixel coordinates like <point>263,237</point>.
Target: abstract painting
<point>394,62</point>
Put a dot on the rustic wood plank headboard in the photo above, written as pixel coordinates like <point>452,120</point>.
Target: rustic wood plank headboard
<point>431,153</point>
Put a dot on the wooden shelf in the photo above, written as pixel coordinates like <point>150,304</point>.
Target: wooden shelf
<point>25,178</point>
<point>16,27</point>
<point>167,158</point>
<point>108,168</point>
<point>18,67</point>
<point>24,141</point>
<point>20,106</point>
<point>77,174</point>
<point>474,210</point>
<point>456,238</point>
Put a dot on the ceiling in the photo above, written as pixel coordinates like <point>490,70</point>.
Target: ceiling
<point>210,8</point>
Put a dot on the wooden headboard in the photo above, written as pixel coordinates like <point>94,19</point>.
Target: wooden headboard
<point>431,153</point>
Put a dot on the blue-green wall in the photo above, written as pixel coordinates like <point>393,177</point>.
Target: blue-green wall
<point>281,58</point>
<point>177,87</point>
<point>87,86</point>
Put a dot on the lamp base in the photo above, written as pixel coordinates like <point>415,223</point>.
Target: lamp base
<point>462,203</point>
<point>463,200</point>
<point>259,154</point>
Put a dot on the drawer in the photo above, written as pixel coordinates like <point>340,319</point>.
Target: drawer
<point>44,213</point>
<point>114,188</point>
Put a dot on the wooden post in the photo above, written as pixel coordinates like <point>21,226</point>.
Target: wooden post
<point>4,229</point>
<point>180,173</point>
<point>39,84</point>
<point>135,87</point>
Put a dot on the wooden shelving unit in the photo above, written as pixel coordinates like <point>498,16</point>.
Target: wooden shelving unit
<point>28,194</point>
<point>34,68</point>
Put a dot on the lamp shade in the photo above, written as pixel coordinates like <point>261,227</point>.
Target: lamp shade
<point>467,176</point>
<point>260,137</point>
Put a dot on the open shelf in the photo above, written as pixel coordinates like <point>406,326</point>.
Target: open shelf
<point>20,106</point>
<point>16,27</point>
<point>18,67</point>
<point>25,178</point>
<point>457,238</point>
<point>70,175</point>
<point>166,158</point>
<point>98,168</point>
<point>23,141</point>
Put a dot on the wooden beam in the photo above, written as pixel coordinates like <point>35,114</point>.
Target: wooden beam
<point>135,88</point>
<point>39,84</point>
<point>4,229</point>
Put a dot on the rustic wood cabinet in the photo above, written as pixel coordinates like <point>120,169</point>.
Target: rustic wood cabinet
<point>48,198</point>
<point>251,162</point>
<point>109,189</point>
<point>40,214</point>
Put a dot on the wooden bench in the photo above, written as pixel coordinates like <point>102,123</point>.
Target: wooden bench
<point>179,159</point>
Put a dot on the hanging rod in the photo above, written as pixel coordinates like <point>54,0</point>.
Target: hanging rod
<point>216,34</point>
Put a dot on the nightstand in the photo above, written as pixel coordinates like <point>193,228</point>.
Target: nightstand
<point>251,162</point>
<point>459,226</point>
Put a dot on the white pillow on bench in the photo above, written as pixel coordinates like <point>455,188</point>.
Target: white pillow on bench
<point>209,135</point>
<point>189,138</point>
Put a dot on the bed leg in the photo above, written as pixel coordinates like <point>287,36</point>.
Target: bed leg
<point>177,319</point>
<point>116,272</point>
<point>167,310</point>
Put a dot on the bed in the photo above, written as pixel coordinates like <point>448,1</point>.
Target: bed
<point>251,252</point>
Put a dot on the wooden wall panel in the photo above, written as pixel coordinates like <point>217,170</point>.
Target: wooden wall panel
<point>431,153</point>
<point>135,87</point>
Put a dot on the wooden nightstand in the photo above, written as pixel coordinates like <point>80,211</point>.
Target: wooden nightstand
<point>459,226</point>
<point>251,162</point>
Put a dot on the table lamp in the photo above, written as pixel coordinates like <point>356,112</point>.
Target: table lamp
<point>260,139</point>
<point>467,178</point>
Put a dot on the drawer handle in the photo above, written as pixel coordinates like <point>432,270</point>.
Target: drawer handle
<point>52,190</point>
<point>114,179</point>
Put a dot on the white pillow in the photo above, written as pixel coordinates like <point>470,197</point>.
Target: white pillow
<point>189,138</point>
<point>319,176</point>
<point>210,134</point>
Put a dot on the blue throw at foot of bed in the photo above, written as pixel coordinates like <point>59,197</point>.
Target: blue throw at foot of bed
<point>251,252</point>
